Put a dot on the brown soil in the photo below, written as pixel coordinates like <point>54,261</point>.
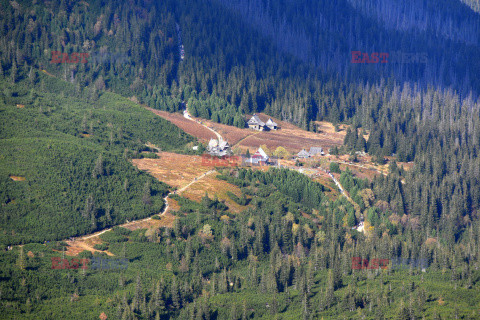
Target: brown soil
<point>173,205</point>
<point>213,186</point>
<point>77,246</point>
<point>174,169</point>
<point>165,221</point>
<point>17,178</point>
<point>189,126</point>
<point>288,135</point>
<point>406,165</point>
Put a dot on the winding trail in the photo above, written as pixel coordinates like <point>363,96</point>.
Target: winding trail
<point>338,184</point>
<point>193,181</point>
<point>187,115</point>
<point>360,226</point>
<point>342,190</point>
<point>81,241</point>
<point>345,193</point>
<point>243,139</point>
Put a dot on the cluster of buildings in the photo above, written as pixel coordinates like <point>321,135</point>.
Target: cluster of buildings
<point>314,151</point>
<point>256,124</point>
<point>259,158</point>
<point>221,148</point>
<point>218,148</point>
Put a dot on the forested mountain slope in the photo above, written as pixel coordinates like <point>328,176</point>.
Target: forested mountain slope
<point>289,59</point>
<point>474,4</point>
<point>66,141</point>
<point>324,33</point>
<point>70,153</point>
<point>289,254</point>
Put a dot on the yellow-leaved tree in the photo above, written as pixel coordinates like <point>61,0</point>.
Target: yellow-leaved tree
<point>281,153</point>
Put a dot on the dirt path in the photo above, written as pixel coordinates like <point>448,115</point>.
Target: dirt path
<point>345,193</point>
<point>96,234</point>
<point>342,189</point>
<point>189,117</point>
<point>194,180</point>
<point>360,226</point>
<point>87,242</point>
<point>242,140</point>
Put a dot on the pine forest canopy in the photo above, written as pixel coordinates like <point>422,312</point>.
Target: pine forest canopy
<point>75,75</point>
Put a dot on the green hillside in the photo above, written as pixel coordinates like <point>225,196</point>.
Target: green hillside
<point>69,130</point>
<point>283,258</point>
<point>74,156</point>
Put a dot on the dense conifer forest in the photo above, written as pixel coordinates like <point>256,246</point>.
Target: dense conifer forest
<point>73,150</point>
<point>70,128</point>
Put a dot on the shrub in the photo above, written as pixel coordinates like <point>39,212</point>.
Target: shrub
<point>121,231</point>
<point>335,167</point>
<point>111,236</point>
<point>101,246</point>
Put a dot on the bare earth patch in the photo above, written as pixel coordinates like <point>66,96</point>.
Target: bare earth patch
<point>288,135</point>
<point>173,205</point>
<point>213,186</point>
<point>17,178</point>
<point>166,220</point>
<point>231,134</point>
<point>407,166</point>
<point>77,246</point>
<point>88,242</point>
<point>189,126</point>
<point>174,169</point>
